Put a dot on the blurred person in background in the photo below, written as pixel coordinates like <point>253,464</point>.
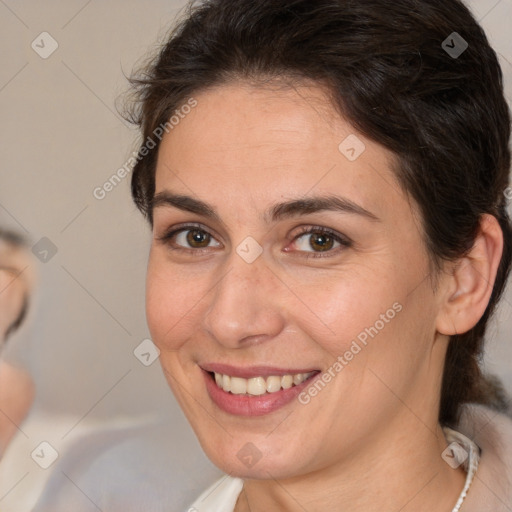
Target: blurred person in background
<point>17,278</point>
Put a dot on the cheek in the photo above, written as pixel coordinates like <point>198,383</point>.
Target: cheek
<point>170,303</point>
<point>367,326</point>
<point>156,310</point>
<point>345,306</point>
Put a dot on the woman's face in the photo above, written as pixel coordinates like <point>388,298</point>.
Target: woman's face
<point>294,252</point>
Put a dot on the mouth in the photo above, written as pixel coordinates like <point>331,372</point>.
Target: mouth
<point>254,391</point>
<point>257,386</point>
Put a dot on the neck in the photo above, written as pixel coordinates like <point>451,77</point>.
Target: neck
<point>406,473</point>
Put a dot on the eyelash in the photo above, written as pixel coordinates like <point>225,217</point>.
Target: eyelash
<point>344,242</point>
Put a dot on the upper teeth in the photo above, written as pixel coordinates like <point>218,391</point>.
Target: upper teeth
<point>259,385</point>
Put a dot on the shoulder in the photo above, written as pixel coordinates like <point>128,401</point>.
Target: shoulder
<point>491,489</point>
<point>122,468</point>
<point>219,497</point>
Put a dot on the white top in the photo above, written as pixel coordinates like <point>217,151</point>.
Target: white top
<point>223,494</point>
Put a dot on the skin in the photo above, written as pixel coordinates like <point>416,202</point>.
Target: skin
<point>370,440</point>
<point>17,391</point>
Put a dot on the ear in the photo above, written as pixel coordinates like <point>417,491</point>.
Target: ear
<point>469,287</point>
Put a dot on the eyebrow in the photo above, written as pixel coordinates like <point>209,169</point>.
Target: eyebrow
<point>283,210</point>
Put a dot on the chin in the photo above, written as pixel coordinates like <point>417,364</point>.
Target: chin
<point>242,458</point>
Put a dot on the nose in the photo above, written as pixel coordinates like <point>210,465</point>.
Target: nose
<point>244,306</point>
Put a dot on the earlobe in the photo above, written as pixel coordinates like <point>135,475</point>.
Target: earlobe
<point>471,283</point>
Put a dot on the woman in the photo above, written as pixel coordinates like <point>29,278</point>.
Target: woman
<point>326,184</point>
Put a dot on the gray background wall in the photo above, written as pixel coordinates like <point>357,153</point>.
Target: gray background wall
<point>112,421</point>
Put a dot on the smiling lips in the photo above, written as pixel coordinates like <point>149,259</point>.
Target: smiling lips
<point>256,386</point>
<point>253,391</point>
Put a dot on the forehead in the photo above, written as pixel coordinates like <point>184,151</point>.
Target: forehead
<point>259,143</point>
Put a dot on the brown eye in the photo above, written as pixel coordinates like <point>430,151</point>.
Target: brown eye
<point>189,238</point>
<point>321,241</point>
<point>315,240</point>
<point>197,238</point>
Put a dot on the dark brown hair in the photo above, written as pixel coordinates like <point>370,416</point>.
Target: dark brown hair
<point>388,71</point>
